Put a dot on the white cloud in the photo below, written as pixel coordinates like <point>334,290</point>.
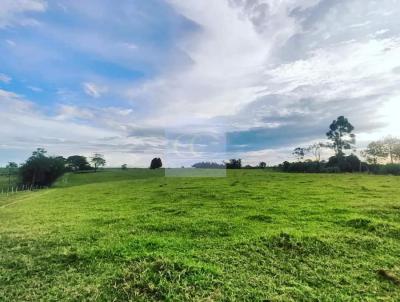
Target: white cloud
<point>94,90</point>
<point>12,12</point>
<point>228,56</point>
<point>248,64</point>
<point>11,43</point>
<point>236,60</point>
<point>35,89</point>
<point>24,127</point>
<point>5,78</point>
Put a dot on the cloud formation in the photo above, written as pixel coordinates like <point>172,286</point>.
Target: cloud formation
<point>170,75</point>
<point>15,12</point>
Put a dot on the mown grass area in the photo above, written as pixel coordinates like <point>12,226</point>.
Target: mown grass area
<point>251,236</point>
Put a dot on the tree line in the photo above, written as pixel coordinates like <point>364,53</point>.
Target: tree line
<point>42,170</point>
<point>381,156</point>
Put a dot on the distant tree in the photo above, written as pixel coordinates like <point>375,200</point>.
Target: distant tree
<point>11,168</point>
<point>262,165</point>
<point>383,150</point>
<point>124,166</point>
<point>12,165</point>
<point>315,149</point>
<point>98,161</point>
<point>234,164</point>
<point>341,135</point>
<point>39,169</point>
<point>77,163</point>
<point>208,165</point>
<point>396,152</point>
<point>392,146</point>
<point>299,153</point>
<point>375,151</point>
<point>156,163</point>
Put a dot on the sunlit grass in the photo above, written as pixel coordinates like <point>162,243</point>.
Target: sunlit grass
<point>253,235</point>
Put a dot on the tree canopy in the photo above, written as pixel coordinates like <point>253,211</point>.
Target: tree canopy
<point>234,164</point>
<point>386,149</point>
<point>341,135</point>
<point>78,163</point>
<point>98,161</point>
<point>41,170</point>
<point>156,163</point>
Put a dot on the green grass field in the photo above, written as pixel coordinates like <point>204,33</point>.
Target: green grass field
<point>251,236</point>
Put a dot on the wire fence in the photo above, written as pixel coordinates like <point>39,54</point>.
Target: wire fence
<point>10,185</point>
<point>7,191</point>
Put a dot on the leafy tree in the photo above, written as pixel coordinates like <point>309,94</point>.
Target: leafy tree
<point>375,151</point>
<point>156,163</point>
<point>124,166</point>
<point>384,149</point>
<point>392,146</point>
<point>12,165</point>
<point>341,135</point>
<point>98,161</point>
<point>396,152</point>
<point>299,153</point>
<point>234,164</point>
<point>78,163</point>
<point>41,170</point>
<point>262,165</point>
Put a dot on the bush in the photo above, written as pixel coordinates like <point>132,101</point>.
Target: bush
<point>156,163</point>
<point>234,164</point>
<point>303,167</point>
<point>330,170</point>
<point>349,163</point>
<point>393,169</point>
<point>335,164</point>
<point>208,165</point>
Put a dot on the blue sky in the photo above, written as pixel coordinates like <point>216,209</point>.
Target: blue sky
<point>191,80</point>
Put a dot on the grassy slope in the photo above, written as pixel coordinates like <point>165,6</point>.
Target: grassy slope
<point>250,236</point>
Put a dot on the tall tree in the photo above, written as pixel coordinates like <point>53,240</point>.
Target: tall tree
<point>375,151</point>
<point>341,135</point>
<point>299,153</point>
<point>384,149</point>
<point>315,150</point>
<point>98,161</point>
<point>392,147</point>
